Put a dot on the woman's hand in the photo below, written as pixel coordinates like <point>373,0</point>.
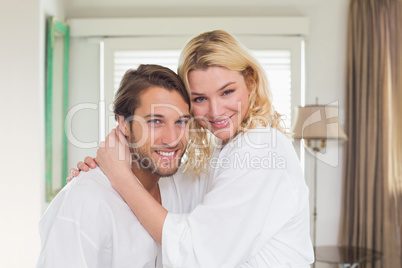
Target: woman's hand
<point>88,163</point>
<point>114,158</point>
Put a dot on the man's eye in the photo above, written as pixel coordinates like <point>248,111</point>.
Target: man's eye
<point>182,122</point>
<point>199,99</point>
<point>154,121</point>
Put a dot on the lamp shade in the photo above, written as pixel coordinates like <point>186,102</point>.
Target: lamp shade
<point>317,122</point>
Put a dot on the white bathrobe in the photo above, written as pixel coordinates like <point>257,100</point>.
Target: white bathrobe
<point>254,210</point>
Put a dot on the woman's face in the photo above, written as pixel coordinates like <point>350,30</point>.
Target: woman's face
<point>220,99</point>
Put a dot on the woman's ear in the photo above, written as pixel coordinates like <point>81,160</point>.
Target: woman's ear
<point>123,125</point>
<point>250,85</point>
<point>250,82</point>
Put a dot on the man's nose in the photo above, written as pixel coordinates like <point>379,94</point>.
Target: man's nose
<point>171,135</point>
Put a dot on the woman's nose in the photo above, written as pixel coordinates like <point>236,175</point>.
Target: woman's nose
<point>215,108</point>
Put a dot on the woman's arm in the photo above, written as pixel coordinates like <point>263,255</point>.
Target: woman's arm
<point>148,211</point>
<point>124,182</point>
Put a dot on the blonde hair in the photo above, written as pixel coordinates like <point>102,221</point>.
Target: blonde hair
<point>219,48</point>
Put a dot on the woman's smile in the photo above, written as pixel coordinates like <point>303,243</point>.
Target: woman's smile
<point>221,123</point>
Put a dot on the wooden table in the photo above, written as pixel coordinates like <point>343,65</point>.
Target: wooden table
<point>345,256</point>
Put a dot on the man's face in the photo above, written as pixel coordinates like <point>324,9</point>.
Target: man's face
<point>159,131</point>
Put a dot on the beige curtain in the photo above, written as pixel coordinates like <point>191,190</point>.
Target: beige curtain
<point>372,183</point>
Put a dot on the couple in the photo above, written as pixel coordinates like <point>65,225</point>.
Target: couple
<point>227,206</point>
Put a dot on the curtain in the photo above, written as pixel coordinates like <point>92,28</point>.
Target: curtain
<point>372,177</point>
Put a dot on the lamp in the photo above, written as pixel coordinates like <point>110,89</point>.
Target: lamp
<point>317,122</point>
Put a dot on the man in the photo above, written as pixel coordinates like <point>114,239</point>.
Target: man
<point>88,224</point>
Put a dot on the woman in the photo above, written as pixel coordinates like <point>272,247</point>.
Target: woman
<point>255,207</point>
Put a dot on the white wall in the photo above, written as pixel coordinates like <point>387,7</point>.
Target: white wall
<point>325,70</point>
<point>84,95</point>
<point>22,28</point>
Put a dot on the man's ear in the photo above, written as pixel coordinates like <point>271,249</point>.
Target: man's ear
<point>123,125</point>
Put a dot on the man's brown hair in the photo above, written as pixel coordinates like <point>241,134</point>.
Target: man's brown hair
<point>135,82</point>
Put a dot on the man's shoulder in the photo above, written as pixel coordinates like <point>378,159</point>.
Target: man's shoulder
<point>92,178</point>
<point>92,182</point>
<point>87,189</point>
<point>89,193</point>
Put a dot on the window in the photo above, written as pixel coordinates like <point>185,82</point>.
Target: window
<point>124,60</point>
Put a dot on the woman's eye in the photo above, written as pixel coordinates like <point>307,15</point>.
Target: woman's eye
<point>199,99</point>
<point>228,92</point>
